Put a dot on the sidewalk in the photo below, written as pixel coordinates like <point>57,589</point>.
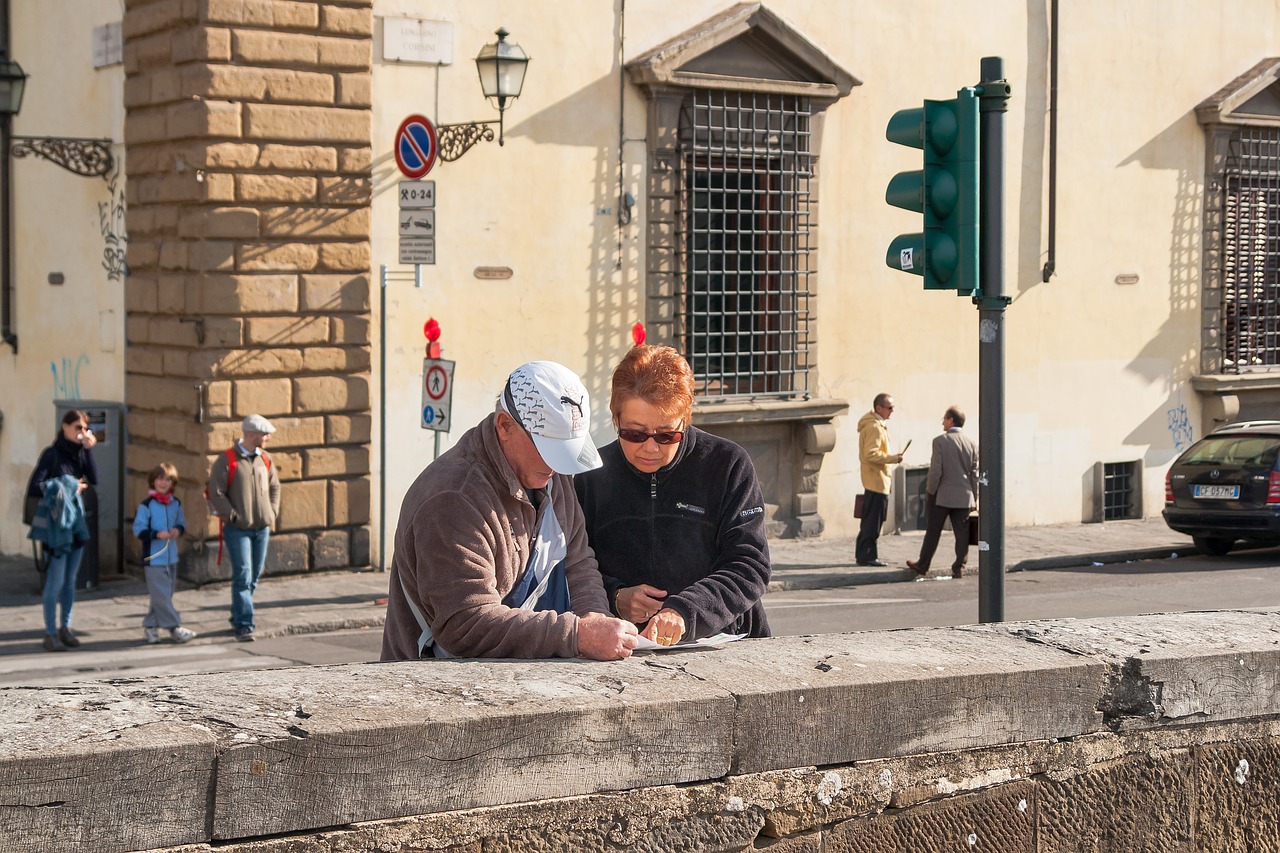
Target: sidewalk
<point>329,601</point>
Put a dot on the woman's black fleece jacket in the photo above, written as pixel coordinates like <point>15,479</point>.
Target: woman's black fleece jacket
<point>694,528</point>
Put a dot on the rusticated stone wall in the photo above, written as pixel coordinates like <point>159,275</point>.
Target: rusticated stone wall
<point>1157,733</point>
<point>248,136</point>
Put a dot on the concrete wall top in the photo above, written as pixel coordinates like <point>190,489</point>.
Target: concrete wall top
<point>289,750</point>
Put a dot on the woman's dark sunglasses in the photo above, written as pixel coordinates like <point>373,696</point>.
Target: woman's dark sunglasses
<point>635,436</point>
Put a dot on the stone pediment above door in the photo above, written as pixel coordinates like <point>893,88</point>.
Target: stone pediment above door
<point>746,47</point>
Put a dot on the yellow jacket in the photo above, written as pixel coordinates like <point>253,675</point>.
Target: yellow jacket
<point>873,451</point>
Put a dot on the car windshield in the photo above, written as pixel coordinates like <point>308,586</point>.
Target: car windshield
<point>1248,450</point>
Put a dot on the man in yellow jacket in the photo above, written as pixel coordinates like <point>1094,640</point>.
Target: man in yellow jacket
<point>873,451</point>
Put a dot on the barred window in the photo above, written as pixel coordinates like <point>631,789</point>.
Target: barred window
<point>1251,251</point>
<point>1120,490</point>
<point>743,224</point>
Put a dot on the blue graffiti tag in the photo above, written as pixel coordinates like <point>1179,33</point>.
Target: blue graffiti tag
<point>1180,427</point>
<point>66,385</point>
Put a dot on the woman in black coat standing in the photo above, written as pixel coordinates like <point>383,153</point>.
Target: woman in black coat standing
<point>71,454</point>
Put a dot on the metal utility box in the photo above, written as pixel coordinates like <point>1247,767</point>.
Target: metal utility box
<point>105,509</point>
<point>912,514</point>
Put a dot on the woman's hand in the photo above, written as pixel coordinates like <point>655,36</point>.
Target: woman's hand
<point>666,628</point>
<point>81,485</point>
<point>638,603</point>
<point>89,439</point>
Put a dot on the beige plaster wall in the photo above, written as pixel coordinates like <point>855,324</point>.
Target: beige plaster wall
<point>1096,370</point>
<point>70,337</point>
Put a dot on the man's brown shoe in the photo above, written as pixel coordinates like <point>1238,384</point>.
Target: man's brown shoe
<point>917,568</point>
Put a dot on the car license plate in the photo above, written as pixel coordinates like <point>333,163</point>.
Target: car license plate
<point>1218,492</point>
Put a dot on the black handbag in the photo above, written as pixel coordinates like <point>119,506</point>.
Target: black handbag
<point>30,502</point>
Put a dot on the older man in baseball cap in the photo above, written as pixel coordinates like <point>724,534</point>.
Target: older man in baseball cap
<point>491,556</point>
<point>244,492</point>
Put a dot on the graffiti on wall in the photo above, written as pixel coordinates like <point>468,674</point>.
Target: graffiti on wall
<point>1180,427</point>
<point>111,220</point>
<point>66,377</point>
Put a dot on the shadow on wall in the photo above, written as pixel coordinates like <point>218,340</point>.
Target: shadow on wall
<point>1172,356</point>
<point>614,285</point>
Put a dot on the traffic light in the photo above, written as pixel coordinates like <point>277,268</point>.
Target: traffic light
<point>945,191</point>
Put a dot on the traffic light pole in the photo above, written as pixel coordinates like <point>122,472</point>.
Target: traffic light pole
<point>992,104</point>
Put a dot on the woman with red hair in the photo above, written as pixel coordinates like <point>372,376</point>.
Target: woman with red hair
<point>675,515</point>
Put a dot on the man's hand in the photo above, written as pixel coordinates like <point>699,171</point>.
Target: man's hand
<point>639,603</point>
<point>602,637</point>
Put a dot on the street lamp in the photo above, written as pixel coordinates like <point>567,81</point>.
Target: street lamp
<point>13,80</point>
<point>501,66</point>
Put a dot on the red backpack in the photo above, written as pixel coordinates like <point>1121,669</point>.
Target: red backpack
<point>232,463</point>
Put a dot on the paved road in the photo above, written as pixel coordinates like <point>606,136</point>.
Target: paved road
<point>1246,579</point>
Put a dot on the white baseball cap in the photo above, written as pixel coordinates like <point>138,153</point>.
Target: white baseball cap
<point>551,403</point>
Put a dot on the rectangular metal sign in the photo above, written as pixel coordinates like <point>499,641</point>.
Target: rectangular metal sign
<point>417,195</point>
<point>417,223</point>
<point>417,250</point>
<point>437,394</point>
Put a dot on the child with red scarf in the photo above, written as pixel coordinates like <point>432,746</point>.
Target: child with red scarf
<point>158,523</point>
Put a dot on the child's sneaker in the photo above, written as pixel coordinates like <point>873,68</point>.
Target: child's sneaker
<point>151,635</point>
<point>182,635</point>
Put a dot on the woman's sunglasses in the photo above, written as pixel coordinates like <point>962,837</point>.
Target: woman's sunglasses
<point>635,436</point>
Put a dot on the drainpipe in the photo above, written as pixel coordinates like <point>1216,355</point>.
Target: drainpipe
<point>7,333</point>
<point>1051,257</point>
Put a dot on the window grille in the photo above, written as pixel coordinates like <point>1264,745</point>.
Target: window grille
<point>743,304</point>
<point>1251,251</point>
<point>1120,490</point>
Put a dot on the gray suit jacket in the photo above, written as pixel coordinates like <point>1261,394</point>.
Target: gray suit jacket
<point>953,470</point>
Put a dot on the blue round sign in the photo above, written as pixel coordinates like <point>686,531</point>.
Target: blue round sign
<point>416,146</point>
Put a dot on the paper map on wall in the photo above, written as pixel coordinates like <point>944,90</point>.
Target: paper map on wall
<point>647,645</point>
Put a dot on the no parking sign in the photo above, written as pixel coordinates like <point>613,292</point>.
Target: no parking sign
<point>416,146</point>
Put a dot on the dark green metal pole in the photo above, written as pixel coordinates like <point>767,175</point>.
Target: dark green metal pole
<point>993,102</point>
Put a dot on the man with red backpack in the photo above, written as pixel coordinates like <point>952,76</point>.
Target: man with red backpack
<point>244,492</point>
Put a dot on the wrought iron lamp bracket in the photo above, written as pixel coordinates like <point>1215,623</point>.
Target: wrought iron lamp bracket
<point>88,157</point>
<point>456,139</point>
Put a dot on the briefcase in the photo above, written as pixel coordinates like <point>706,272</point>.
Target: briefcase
<point>857,507</point>
<point>973,530</point>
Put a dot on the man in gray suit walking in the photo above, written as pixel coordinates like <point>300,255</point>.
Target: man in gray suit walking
<point>951,492</point>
